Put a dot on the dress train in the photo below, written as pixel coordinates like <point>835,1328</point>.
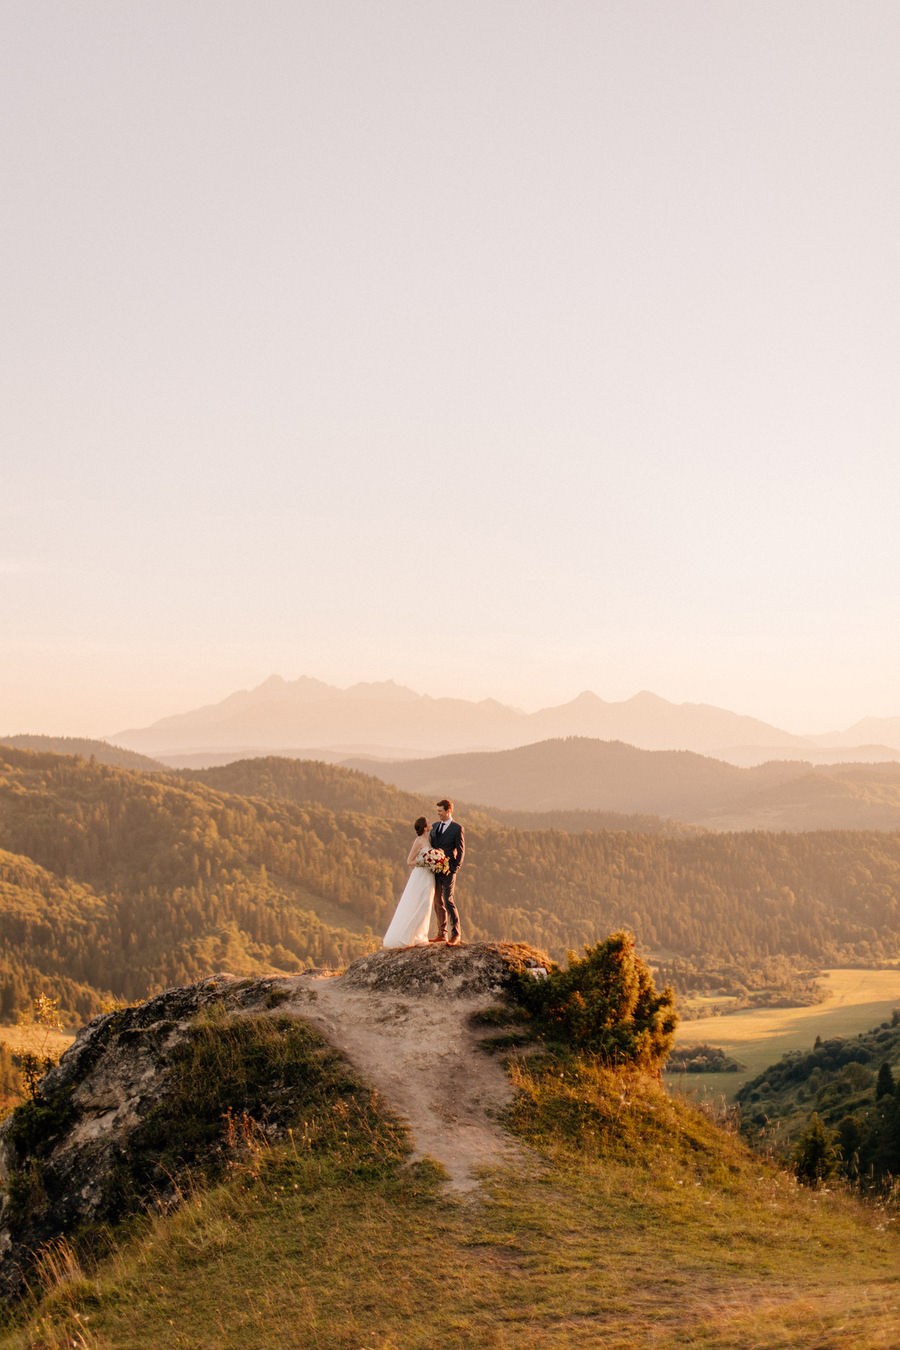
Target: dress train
<point>409,926</point>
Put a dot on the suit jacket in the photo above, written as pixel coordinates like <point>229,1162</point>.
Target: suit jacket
<point>452,841</point>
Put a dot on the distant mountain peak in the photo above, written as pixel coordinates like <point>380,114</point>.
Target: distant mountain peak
<point>387,690</point>
<point>382,717</point>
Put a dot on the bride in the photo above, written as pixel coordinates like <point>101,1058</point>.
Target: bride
<point>409,926</point>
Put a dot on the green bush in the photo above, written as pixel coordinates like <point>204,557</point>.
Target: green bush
<point>605,1003</point>
<point>816,1154</point>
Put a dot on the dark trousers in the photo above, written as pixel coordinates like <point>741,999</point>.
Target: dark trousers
<point>444,906</point>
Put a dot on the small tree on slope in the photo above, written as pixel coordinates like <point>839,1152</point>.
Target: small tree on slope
<point>606,1003</point>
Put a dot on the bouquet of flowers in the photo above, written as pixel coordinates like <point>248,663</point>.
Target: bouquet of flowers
<point>435,859</point>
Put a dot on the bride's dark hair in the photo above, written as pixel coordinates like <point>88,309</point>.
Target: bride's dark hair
<point>421,825</point>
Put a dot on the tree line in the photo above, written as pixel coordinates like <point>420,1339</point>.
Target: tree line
<point>834,1109</point>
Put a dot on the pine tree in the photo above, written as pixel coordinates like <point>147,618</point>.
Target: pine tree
<point>885,1085</point>
<point>816,1154</point>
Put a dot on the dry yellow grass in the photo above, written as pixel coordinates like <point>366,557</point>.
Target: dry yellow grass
<point>38,1039</point>
<point>635,1223</point>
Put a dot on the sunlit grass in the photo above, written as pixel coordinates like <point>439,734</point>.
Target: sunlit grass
<point>636,1222</point>
<point>37,1039</point>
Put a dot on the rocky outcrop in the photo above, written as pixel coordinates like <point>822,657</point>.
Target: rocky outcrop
<point>482,968</point>
<point>60,1153</point>
<point>77,1155</point>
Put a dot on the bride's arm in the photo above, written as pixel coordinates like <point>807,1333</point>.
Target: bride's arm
<point>414,851</point>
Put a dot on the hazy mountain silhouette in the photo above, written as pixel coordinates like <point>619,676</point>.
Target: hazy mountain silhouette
<point>306,717</point>
<point>880,731</point>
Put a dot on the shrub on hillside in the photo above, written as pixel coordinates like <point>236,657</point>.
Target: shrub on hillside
<point>816,1154</point>
<point>702,1059</point>
<point>605,1002</point>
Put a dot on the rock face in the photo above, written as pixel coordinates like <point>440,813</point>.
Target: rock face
<point>59,1153</point>
<point>455,972</point>
<point>68,1158</point>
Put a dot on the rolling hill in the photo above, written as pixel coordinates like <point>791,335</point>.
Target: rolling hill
<point>343,789</point>
<point>589,775</point>
<point>102,751</point>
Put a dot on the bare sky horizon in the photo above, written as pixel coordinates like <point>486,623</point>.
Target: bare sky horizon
<point>502,349</point>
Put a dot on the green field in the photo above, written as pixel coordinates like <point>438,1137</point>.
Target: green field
<point>857,1001</point>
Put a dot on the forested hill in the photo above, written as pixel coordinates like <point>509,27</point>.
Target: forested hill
<point>129,882</point>
<point>591,775</point>
<point>344,789</point>
<point>580,822</point>
<point>309,780</point>
<point>89,749</point>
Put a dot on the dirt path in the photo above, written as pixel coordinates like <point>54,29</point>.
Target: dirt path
<point>420,1053</point>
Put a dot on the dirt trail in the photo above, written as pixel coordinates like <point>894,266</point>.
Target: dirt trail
<point>420,1053</point>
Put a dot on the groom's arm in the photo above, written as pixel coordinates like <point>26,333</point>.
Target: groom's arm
<point>460,849</point>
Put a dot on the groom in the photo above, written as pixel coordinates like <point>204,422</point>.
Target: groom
<point>446,834</point>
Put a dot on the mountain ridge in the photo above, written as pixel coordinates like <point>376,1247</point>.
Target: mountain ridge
<point>306,716</point>
<point>580,774</point>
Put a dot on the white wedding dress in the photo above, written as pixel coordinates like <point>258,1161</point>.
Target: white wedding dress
<point>409,926</point>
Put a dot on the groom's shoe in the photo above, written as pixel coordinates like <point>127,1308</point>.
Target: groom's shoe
<point>454,941</point>
<point>441,937</point>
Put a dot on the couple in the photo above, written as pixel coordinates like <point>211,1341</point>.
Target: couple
<point>426,889</point>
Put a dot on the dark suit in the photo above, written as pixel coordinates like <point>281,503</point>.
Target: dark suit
<point>452,841</point>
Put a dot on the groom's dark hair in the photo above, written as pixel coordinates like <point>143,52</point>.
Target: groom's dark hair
<point>446,803</point>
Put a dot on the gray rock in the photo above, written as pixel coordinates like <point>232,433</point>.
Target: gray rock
<point>464,971</point>
<point>59,1153</point>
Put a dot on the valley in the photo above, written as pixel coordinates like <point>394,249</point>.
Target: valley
<point>857,1001</point>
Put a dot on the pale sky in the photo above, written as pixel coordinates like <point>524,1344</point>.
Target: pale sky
<point>497,347</point>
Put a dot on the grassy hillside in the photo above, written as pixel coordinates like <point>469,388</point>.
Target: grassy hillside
<point>635,1222</point>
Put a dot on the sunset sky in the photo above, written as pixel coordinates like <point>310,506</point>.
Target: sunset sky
<point>500,348</point>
